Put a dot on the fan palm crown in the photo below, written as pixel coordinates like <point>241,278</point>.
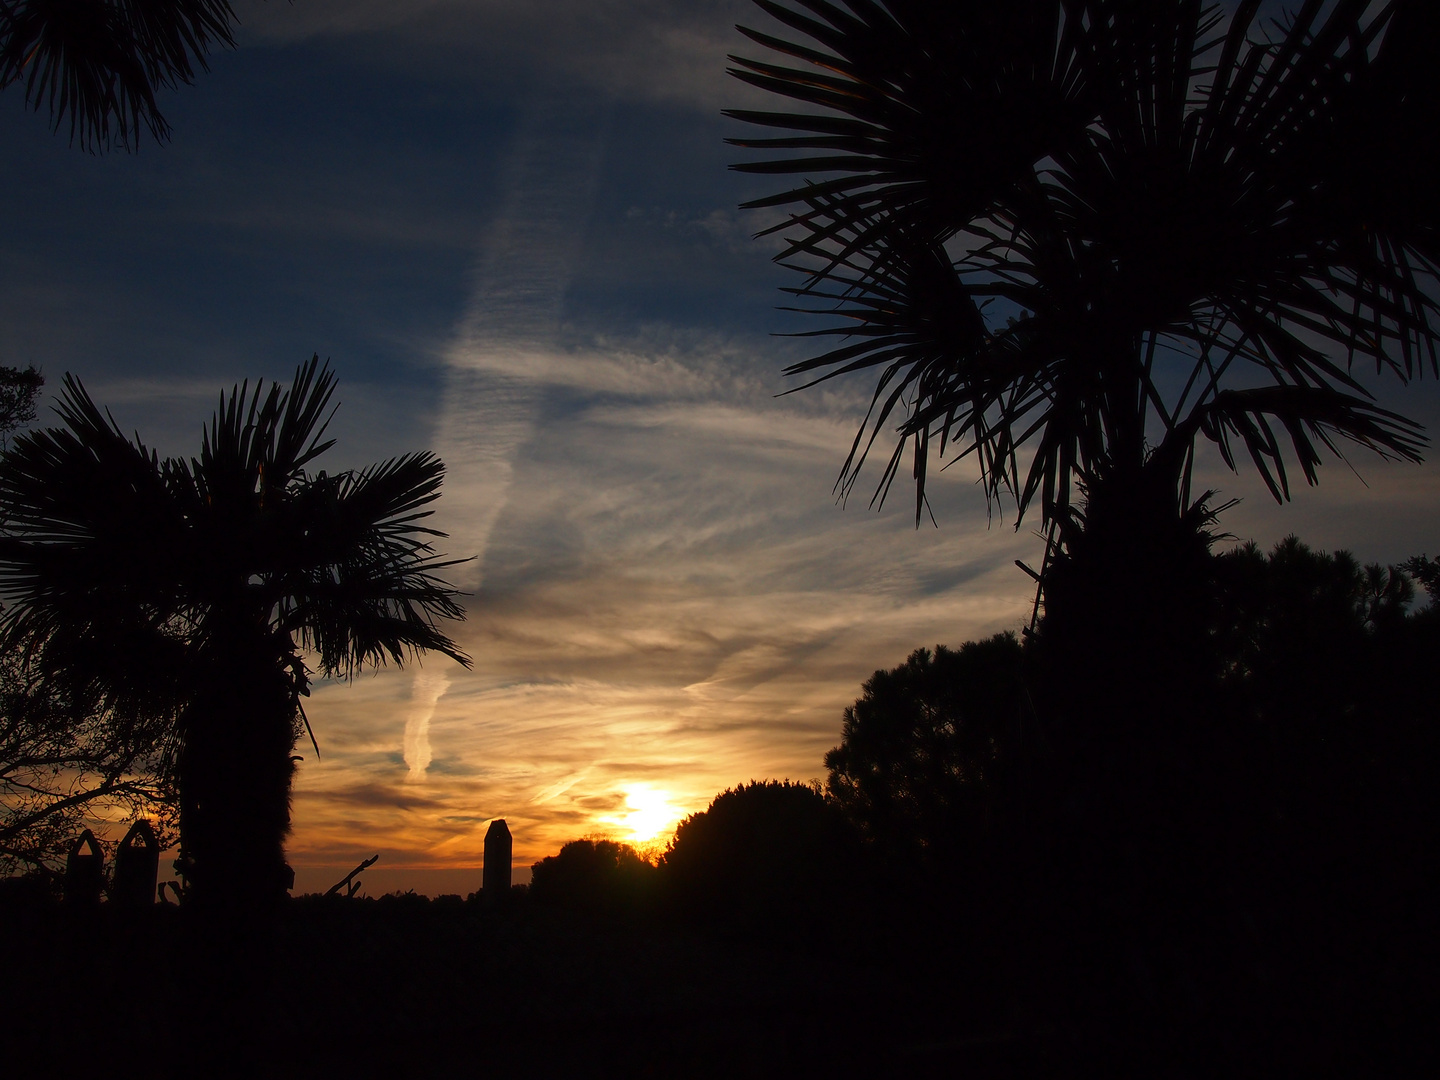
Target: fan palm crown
<point>1095,232</point>
<point>99,63</point>
<point>189,595</point>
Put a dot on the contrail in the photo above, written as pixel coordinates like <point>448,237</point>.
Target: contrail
<point>491,394</point>
<point>426,691</point>
<point>554,791</point>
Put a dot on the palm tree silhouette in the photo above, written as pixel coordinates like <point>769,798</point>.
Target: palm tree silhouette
<point>193,595</point>
<point>1093,233</point>
<point>100,62</point>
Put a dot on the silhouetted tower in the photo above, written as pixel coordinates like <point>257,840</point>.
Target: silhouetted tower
<point>85,871</point>
<point>495,878</point>
<point>137,867</point>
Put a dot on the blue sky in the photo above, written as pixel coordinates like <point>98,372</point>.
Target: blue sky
<point>511,228</point>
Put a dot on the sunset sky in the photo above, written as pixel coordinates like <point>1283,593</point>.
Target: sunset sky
<point>511,228</point>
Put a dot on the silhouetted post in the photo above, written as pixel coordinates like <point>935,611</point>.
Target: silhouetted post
<point>84,872</point>
<point>495,878</point>
<point>137,867</point>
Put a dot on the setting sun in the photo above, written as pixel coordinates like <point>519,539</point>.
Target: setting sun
<point>648,814</point>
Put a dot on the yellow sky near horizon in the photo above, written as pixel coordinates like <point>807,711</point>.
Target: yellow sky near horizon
<point>694,665</point>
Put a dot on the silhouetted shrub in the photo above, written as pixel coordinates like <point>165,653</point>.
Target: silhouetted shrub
<point>403,904</point>
<point>476,900</point>
<point>1326,676</point>
<point>26,893</point>
<point>594,875</point>
<point>1299,632</point>
<point>1427,572</point>
<point>766,853</point>
<point>924,753</point>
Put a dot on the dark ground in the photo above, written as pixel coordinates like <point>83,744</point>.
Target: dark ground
<point>407,988</point>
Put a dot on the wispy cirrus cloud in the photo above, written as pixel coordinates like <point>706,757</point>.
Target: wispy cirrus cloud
<point>671,597</point>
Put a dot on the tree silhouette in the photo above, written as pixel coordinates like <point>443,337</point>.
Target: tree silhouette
<point>18,391</point>
<point>766,855</point>
<point>1321,763</point>
<point>99,63</point>
<point>61,762</point>
<point>1102,229</point>
<point>596,875</point>
<point>922,761</point>
<point>1095,234</point>
<point>1322,657</point>
<point>1080,241</point>
<point>61,758</point>
<point>1426,571</point>
<point>194,591</point>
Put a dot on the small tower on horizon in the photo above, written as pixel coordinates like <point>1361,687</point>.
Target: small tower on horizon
<point>495,877</point>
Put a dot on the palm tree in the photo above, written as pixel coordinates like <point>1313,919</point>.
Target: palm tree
<point>1079,240</point>
<point>99,63</point>
<point>1095,233</point>
<point>192,596</point>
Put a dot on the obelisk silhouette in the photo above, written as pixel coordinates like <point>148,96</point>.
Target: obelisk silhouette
<point>495,878</point>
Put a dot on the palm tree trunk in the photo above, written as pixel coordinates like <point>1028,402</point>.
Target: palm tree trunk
<point>1127,693</point>
<point>235,776</point>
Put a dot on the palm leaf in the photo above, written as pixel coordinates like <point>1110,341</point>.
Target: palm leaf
<point>1146,186</point>
<point>99,63</point>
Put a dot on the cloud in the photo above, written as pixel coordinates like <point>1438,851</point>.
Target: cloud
<point>736,231</point>
<point>429,687</point>
<point>558,788</point>
<point>671,596</point>
<point>374,795</point>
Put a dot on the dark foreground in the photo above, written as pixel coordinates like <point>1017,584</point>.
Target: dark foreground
<point>405,987</point>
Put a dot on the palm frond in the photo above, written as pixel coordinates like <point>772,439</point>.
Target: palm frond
<point>362,582</point>
<point>1311,417</point>
<point>118,568</point>
<point>88,556</point>
<point>1117,175</point>
<point>99,63</point>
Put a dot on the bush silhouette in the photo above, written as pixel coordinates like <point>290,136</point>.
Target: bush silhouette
<point>923,757</point>
<point>1299,631</point>
<point>593,875</point>
<point>768,852</point>
<point>1325,678</point>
